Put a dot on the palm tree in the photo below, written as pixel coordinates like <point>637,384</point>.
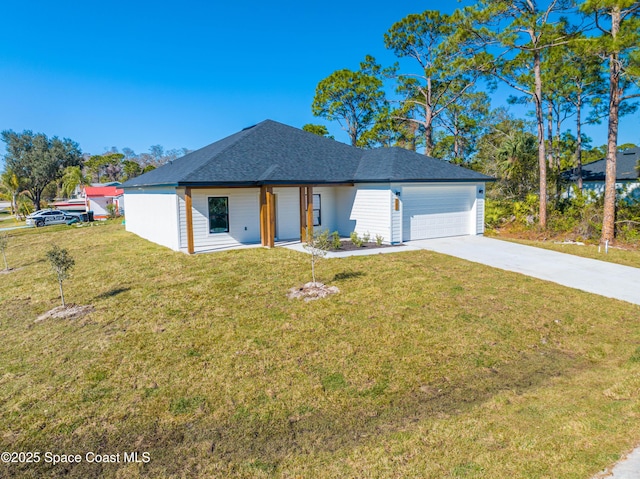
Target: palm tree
<point>71,179</point>
<point>516,163</point>
<point>12,187</point>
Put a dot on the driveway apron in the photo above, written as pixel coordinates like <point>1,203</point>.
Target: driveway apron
<point>590,275</point>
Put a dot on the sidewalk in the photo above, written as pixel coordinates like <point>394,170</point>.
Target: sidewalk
<point>14,228</point>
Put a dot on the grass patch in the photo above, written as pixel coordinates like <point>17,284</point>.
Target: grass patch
<point>333,382</point>
<point>423,366</point>
<point>186,405</point>
<point>626,257</point>
<point>9,221</point>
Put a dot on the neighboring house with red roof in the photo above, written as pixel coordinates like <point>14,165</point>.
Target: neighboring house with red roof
<point>98,199</point>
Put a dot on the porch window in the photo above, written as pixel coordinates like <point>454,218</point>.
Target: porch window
<point>219,214</point>
<point>317,217</point>
<point>316,210</point>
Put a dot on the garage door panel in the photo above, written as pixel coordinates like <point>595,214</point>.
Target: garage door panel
<point>435,212</point>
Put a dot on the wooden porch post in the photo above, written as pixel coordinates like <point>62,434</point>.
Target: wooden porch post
<point>310,212</point>
<point>189,219</point>
<point>263,215</point>
<point>267,216</point>
<point>303,215</point>
<point>271,217</point>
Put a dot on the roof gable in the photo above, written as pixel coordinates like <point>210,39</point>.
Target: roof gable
<point>273,153</point>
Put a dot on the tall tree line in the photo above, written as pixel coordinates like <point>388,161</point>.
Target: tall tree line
<point>562,58</point>
<point>39,168</point>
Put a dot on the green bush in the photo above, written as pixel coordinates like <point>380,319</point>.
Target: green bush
<point>497,212</point>
<point>526,211</point>
<point>580,215</point>
<point>355,239</point>
<point>335,240</point>
<point>323,238</point>
<point>111,209</point>
<point>628,220</point>
<point>628,232</point>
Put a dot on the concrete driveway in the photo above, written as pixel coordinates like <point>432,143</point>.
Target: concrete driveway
<point>599,277</point>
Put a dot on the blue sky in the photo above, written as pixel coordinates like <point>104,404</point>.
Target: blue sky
<point>184,74</point>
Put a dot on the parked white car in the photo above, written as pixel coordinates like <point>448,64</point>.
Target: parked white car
<point>49,217</point>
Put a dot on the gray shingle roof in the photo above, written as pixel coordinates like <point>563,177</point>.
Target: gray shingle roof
<point>273,153</point>
<point>626,162</point>
<point>399,164</point>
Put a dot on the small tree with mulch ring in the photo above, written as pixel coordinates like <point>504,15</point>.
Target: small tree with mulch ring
<point>61,264</point>
<point>4,242</point>
<point>317,245</point>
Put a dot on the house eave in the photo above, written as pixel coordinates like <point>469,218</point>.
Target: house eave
<point>257,184</point>
<point>428,180</point>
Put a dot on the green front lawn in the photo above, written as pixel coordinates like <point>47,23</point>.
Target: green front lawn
<point>422,366</point>
<point>9,221</point>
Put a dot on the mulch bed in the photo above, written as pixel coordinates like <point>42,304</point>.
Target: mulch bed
<point>70,311</point>
<point>349,246</point>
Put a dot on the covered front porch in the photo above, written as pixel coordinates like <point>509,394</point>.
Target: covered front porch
<point>267,215</point>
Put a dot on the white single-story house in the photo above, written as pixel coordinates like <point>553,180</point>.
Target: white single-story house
<point>593,175</point>
<point>266,183</point>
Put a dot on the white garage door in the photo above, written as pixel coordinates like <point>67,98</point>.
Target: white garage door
<point>437,211</point>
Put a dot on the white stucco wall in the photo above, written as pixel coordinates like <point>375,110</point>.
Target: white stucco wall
<point>152,214</point>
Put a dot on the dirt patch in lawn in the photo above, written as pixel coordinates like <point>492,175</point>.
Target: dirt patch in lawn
<point>10,270</point>
<point>71,311</point>
<point>311,291</point>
